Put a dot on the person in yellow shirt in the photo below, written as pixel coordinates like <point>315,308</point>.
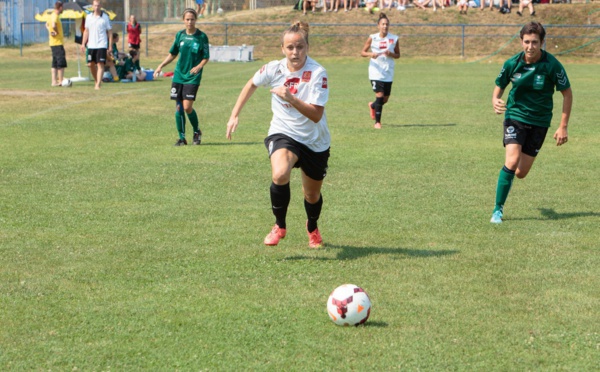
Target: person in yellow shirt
<point>56,41</point>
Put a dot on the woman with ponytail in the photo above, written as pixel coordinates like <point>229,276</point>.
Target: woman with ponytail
<point>298,134</point>
<point>381,48</point>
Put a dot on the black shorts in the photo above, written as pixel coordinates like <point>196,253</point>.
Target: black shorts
<point>97,55</point>
<point>59,58</point>
<point>530,137</point>
<point>180,92</point>
<point>134,46</point>
<point>314,164</point>
<point>382,86</point>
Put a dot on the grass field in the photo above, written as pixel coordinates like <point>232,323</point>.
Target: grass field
<point>119,251</point>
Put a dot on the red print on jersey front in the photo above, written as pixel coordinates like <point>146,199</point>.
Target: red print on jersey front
<point>306,76</point>
<point>292,84</point>
<point>383,44</point>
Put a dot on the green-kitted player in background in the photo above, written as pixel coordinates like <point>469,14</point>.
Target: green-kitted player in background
<point>192,47</point>
<point>534,74</point>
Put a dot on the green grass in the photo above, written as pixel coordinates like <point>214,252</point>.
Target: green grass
<point>119,251</point>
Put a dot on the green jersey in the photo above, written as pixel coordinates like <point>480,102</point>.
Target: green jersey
<point>192,49</point>
<point>530,99</point>
<point>129,66</point>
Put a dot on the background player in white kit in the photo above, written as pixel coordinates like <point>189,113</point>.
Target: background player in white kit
<point>382,48</point>
<point>298,136</point>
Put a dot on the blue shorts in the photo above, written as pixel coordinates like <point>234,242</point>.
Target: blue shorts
<point>200,2</point>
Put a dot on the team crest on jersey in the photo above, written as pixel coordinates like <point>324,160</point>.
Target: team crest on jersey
<point>292,85</point>
<point>324,83</point>
<point>306,76</point>
<point>391,41</point>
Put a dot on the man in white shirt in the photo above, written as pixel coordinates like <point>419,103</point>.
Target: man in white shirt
<point>98,37</point>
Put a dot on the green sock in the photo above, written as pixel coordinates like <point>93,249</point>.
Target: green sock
<point>505,180</point>
<point>180,122</point>
<point>193,120</point>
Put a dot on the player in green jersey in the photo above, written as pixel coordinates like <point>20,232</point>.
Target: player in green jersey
<point>534,74</point>
<point>192,47</point>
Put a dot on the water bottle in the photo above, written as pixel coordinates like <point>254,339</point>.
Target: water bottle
<point>134,76</point>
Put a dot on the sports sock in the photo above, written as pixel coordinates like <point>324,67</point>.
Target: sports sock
<point>313,212</point>
<point>378,107</point>
<point>194,120</point>
<point>505,180</point>
<point>280,199</point>
<point>180,119</point>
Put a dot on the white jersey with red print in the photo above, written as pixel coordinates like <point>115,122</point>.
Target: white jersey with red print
<point>382,67</point>
<point>309,85</point>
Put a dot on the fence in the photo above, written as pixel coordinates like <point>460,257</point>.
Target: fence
<point>416,40</point>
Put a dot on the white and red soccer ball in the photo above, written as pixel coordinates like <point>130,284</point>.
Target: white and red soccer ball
<point>349,305</point>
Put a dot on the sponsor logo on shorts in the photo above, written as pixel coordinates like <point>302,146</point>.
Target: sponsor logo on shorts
<point>270,147</point>
<point>189,96</point>
<point>510,133</point>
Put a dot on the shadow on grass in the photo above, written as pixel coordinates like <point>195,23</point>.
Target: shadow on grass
<point>352,253</point>
<point>418,125</point>
<point>231,143</point>
<point>551,214</point>
<point>377,324</point>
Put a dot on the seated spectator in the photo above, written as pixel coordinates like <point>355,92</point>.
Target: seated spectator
<point>491,3</point>
<point>463,6</point>
<point>386,4</point>
<point>307,3</point>
<point>114,59</point>
<point>131,68</point>
<point>502,8</point>
<point>371,6</point>
<point>423,4</point>
<point>336,3</point>
<point>528,4</point>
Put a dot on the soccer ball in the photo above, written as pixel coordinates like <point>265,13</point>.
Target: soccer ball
<point>67,83</point>
<point>220,11</point>
<point>349,304</point>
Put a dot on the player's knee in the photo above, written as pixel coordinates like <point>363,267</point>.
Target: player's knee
<point>521,173</point>
<point>312,197</point>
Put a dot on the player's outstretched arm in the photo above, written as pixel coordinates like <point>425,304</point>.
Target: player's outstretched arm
<point>244,96</point>
<point>561,135</point>
<point>497,103</point>
<point>167,60</point>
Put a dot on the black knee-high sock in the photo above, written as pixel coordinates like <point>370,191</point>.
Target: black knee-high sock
<point>280,199</point>
<point>313,212</point>
<point>378,107</point>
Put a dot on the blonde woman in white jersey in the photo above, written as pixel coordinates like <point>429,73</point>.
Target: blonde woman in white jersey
<point>381,48</point>
<point>298,136</point>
